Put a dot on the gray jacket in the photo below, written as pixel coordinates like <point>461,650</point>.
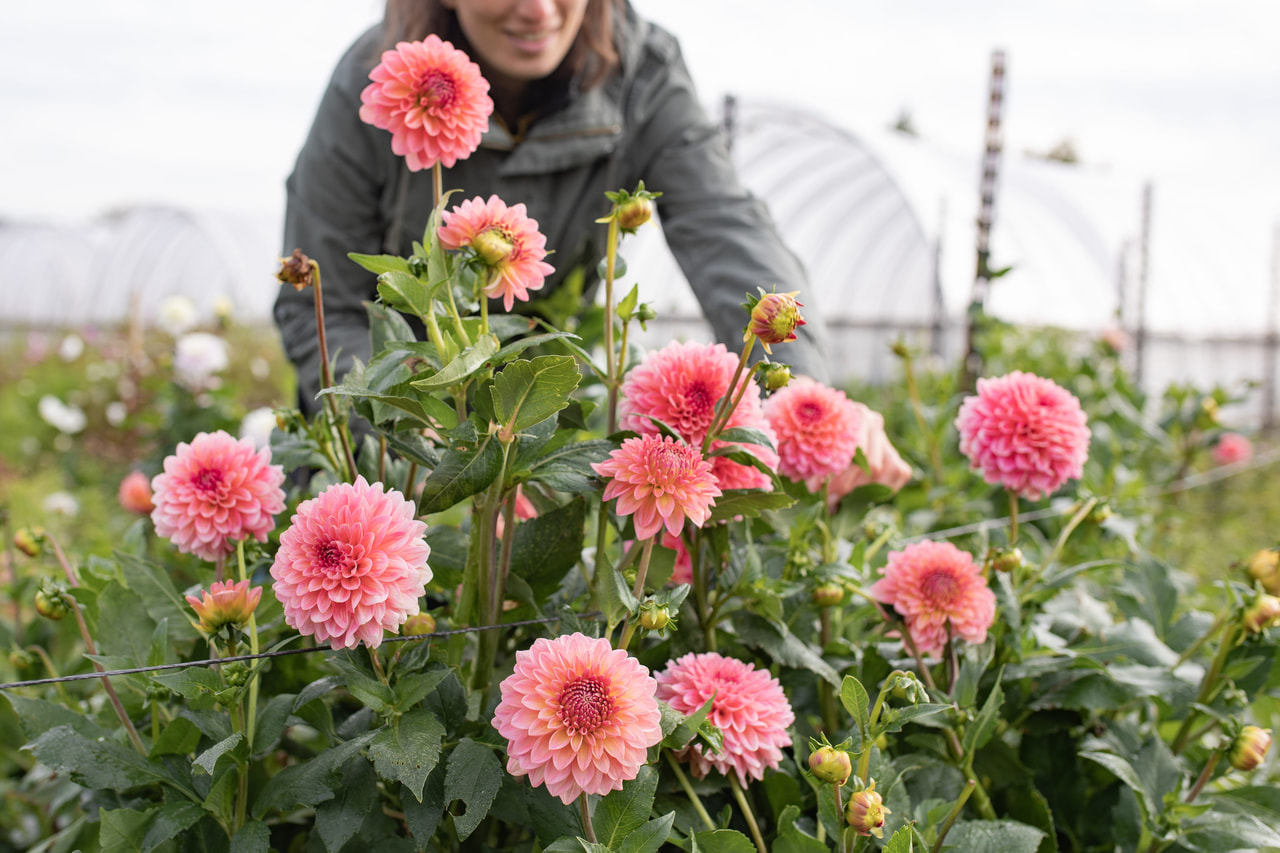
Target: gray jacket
<point>350,193</point>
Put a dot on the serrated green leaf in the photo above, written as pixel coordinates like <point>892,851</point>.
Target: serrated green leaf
<point>119,830</point>
<point>857,703</point>
<point>253,837</point>
<point>518,346</point>
<point>37,716</point>
<point>790,839</point>
<point>978,732</point>
<point>617,602</point>
<point>528,392</point>
<point>473,776</point>
<point>404,291</point>
<point>168,821</point>
<point>163,602</point>
<point>118,605</point>
<point>413,687</point>
<point>468,362</point>
<point>99,763</point>
<point>339,818</point>
<point>208,759</point>
<point>408,749</point>
<point>994,836</point>
<point>687,728</point>
<point>378,264</point>
<point>1124,771</point>
<point>460,474</point>
<point>649,837</point>
<point>621,813</point>
<point>724,841</point>
<point>309,783</point>
<point>177,738</point>
<point>273,715</point>
<point>893,719</point>
<point>777,641</point>
<point>747,503</point>
<point>546,548</point>
<point>568,469</point>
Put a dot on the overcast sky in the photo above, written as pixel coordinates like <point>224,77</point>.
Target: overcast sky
<point>112,102</point>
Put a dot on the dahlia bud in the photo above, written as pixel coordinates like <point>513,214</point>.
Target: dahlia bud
<point>774,318</point>
<point>828,594</point>
<point>298,270</point>
<point>1264,567</point>
<point>418,623</point>
<point>50,602</point>
<point>1005,559</point>
<point>225,603</point>
<point>21,659</point>
<point>654,617</point>
<point>28,540</point>
<point>235,673</point>
<point>492,246</point>
<point>865,812</point>
<point>634,212</point>
<point>830,764</point>
<point>1210,408</point>
<point>1262,614</point>
<point>1100,513</point>
<point>1249,748</point>
<point>134,493</point>
<point>777,376</point>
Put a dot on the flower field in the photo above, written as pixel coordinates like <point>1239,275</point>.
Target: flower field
<point>526,588</point>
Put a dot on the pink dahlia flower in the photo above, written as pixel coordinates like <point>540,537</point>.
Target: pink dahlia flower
<point>506,240</point>
<point>750,709</point>
<point>680,385</point>
<point>659,482</point>
<point>884,465</point>
<point>352,564</point>
<point>135,493</point>
<point>932,584</point>
<point>817,430</point>
<point>432,98</point>
<point>1232,447</point>
<point>225,603</point>
<point>214,492</point>
<point>1025,433</point>
<point>579,716</point>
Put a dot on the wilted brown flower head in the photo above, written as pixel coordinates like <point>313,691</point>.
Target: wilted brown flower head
<point>298,270</point>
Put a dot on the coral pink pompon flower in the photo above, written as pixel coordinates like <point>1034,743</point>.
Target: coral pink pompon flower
<point>659,482</point>
<point>432,98</point>
<point>352,564</point>
<point>817,430</point>
<point>932,584</point>
<point>750,709</point>
<point>216,491</point>
<point>506,240</point>
<point>579,716</point>
<point>225,603</point>
<point>1025,433</point>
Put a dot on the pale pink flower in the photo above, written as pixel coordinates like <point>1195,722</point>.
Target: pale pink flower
<point>1025,433</point>
<point>214,492</point>
<point>225,603</point>
<point>933,584</point>
<point>884,464</point>
<point>817,429</point>
<point>1232,447</point>
<point>352,564</point>
<point>579,716</point>
<point>659,482</point>
<point>750,710</point>
<point>506,240</point>
<point>680,385</point>
<point>432,98</point>
<point>135,493</point>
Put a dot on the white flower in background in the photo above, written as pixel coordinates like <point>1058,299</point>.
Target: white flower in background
<point>177,315</point>
<point>63,503</point>
<point>197,359</point>
<point>57,414</point>
<point>223,308</point>
<point>259,367</point>
<point>257,425</point>
<point>71,348</point>
<point>116,413</point>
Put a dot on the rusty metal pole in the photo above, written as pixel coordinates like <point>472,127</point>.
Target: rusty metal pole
<point>972,364</point>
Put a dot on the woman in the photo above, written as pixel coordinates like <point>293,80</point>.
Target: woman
<point>588,97</point>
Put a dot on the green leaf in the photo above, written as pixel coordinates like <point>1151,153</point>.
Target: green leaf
<point>404,291</point>
<point>568,469</point>
<point>118,605</point>
<point>253,837</point>
<point>576,845</point>
<point>190,683</point>
<point>1261,801</point>
<point>152,584</point>
<point>780,644</point>
<point>724,841</point>
<point>746,435</point>
<point>386,326</point>
<point>528,392</point>
<point>468,362</point>
<point>120,829</point>
<point>994,836</point>
<point>273,715</point>
<point>1224,833</point>
<point>96,763</point>
<point>616,599</point>
<point>407,750</point>
<point>518,346</point>
<point>378,264</point>
<point>650,836</point>
<point>893,719</point>
<point>422,818</point>
<point>177,738</point>
<point>474,776</point>
<point>461,473</point>
<point>747,503</point>
<point>791,840</point>
<point>621,813</point>
<point>902,841</point>
<point>170,820</point>
<point>413,687</point>
<point>546,548</point>
<point>37,716</point>
<point>978,732</point>
<point>687,729</point>
<point>309,783</point>
<point>208,759</point>
<point>856,701</point>
<point>339,818</point>
<point>1124,771</point>
<point>362,684</point>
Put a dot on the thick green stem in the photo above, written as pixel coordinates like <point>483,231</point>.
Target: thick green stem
<point>585,808</point>
<point>826,695</point>
<point>694,800</point>
<point>1013,518</point>
<point>970,786</point>
<point>253,648</point>
<point>1207,687</point>
<point>747,814</point>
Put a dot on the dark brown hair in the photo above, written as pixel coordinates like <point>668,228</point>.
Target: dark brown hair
<point>591,58</point>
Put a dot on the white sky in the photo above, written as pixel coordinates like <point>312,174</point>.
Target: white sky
<point>111,103</point>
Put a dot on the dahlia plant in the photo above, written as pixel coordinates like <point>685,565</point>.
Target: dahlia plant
<point>514,589</point>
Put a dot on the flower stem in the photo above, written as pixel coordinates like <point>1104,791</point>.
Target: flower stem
<point>1205,775</point>
<point>106,682</point>
<point>629,625</point>
<point>969,787</point>
<point>826,695</point>
<point>326,379</point>
<point>694,799</point>
<point>741,797</point>
<point>611,361</point>
<point>585,808</point>
<point>1013,518</point>
<point>1207,686</point>
<point>253,647</point>
<point>1081,514</point>
<point>729,402</point>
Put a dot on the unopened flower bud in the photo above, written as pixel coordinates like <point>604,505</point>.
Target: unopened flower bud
<point>1005,559</point>
<point>1210,407</point>
<point>21,659</point>
<point>225,603</point>
<point>777,376</point>
<point>1264,567</point>
<point>828,594</point>
<point>28,540</point>
<point>634,212</point>
<point>865,812</point>
<point>774,319</point>
<point>418,623</point>
<point>654,617</point>
<point>51,604</point>
<point>493,246</point>
<point>298,270</point>
<point>645,312</point>
<point>235,673</point>
<point>830,764</point>
<point>1262,614</point>
<point>1249,748</point>
<point>1100,513</point>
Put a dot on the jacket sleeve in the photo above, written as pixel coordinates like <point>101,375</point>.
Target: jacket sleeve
<point>334,206</point>
<point>721,235</point>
